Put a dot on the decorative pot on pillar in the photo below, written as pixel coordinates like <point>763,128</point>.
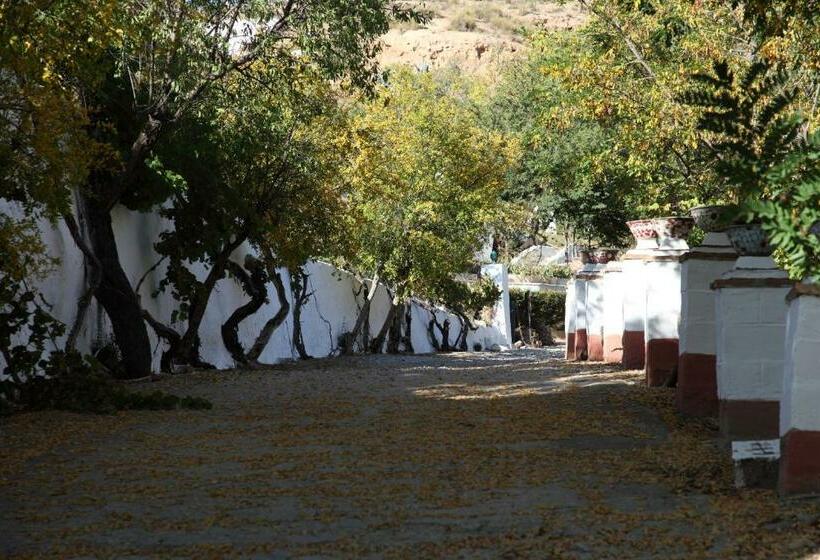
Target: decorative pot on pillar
<point>696,392</point>
<point>663,299</point>
<point>750,327</point>
<point>799,410</point>
<point>634,294</point>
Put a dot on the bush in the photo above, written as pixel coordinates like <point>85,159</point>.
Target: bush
<point>534,314</point>
<point>81,384</point>
<point>543,271</point>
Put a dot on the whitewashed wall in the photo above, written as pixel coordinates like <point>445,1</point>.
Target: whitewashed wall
<point>331,311</point>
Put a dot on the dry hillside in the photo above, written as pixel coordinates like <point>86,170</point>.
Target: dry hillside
<point>472,34</point>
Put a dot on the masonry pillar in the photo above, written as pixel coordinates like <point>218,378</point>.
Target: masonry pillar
<point>663,299</point>
<point>613,312</point>
<point>750,330</point>
<point>696,392</point>
<point>581,352</point>
<point>501,311</point>
<point>595,313</point>
<point>800,404</point>
<point>634,279</point>
<point>569,321</point>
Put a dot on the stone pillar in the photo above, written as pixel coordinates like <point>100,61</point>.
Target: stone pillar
<point>663,299</point>
<point>634,278</point>
<point>800,405</point>
<point>595,313</point>
<point>696,392</point>
<point>613,312</point>
<point>750,329</point>
<point>569,321</point>
<point>580,282</point>
<point>501,311</point>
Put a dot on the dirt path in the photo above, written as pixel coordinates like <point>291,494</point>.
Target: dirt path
<point>459,455</point>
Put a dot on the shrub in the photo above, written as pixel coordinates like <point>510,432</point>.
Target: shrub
<point>535,313</point>
<point>81,384</point>
<point>543,272</point>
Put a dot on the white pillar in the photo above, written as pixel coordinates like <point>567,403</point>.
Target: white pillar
<point>595,313</point>
<point>750,331</point>
<point>581,350</point>
<point>634,278</point>
<point>800,404</point>
<point>569,321</point>
<point>696,392</point>
<point>614,288</point>
<point>501,311</point>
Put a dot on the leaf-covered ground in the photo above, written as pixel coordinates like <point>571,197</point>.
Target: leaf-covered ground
<point>461,455</point>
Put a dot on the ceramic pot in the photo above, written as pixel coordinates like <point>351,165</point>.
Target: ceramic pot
<point>711,218</point>
<point>672,227</point>
<point>642,229</point>
<point>598,256</point>
<point>749,240</point>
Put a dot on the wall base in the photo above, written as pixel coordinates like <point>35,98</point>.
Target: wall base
<point>749,420</point>
<point>569,351</point>
<point>696,393</point>
<point>581,343</point>
<point>634,350</point>
<point>661,361</point>
<point>595,348</point>
<point>799,463</point>
<point>614,348</point>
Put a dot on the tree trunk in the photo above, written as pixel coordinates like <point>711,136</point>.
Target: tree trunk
<point>188,349</point>
<point>253,285</point>
<point>466,327</point>
<point>116,295</point>
<point>274,322</point>
<point>394,337</point>
<point>299,288</point>
<point>407,339</point>
<point>378,342</point>
<point>364,317</point>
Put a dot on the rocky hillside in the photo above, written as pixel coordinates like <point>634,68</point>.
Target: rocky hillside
<point>474,34</point>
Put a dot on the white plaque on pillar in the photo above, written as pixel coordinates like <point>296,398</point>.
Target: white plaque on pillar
<point>757,449</point>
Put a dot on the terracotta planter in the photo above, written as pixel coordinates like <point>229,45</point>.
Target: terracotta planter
<point>598,256</point>
<point>644,233</point>
<point>711,218</point>
<point>673,227</point>
<point>672,231</point>
<point>749,240</point>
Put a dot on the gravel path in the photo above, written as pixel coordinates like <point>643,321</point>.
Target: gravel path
<point>451,455</point>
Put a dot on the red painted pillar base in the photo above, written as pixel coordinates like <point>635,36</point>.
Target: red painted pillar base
<point>595,348</point>
<point>696,393</point>
<point>613,348</point>
<point>799,463</point>
<point>570,349</point>
<point>581,344</point>
<point>634,350</point>
<point>747,420</point>
<point>661,361</point>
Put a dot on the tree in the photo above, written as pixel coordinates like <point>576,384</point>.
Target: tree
<point>254,164</point>
<point>425,181</point>
<point>170,55</point>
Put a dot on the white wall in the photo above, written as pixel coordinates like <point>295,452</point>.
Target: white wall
<point>331,311</point>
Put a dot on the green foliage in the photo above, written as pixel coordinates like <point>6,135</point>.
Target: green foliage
<point>791,213</point>
<point>543,271</point>
<point>537,311</point>
<point>424,182</point>
<point>80,384</point>
<point>748,123</point>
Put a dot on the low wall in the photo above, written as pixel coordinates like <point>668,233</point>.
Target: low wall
<point>330,312</point>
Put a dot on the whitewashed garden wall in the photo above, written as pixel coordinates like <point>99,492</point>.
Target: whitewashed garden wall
<point>331,310</point>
